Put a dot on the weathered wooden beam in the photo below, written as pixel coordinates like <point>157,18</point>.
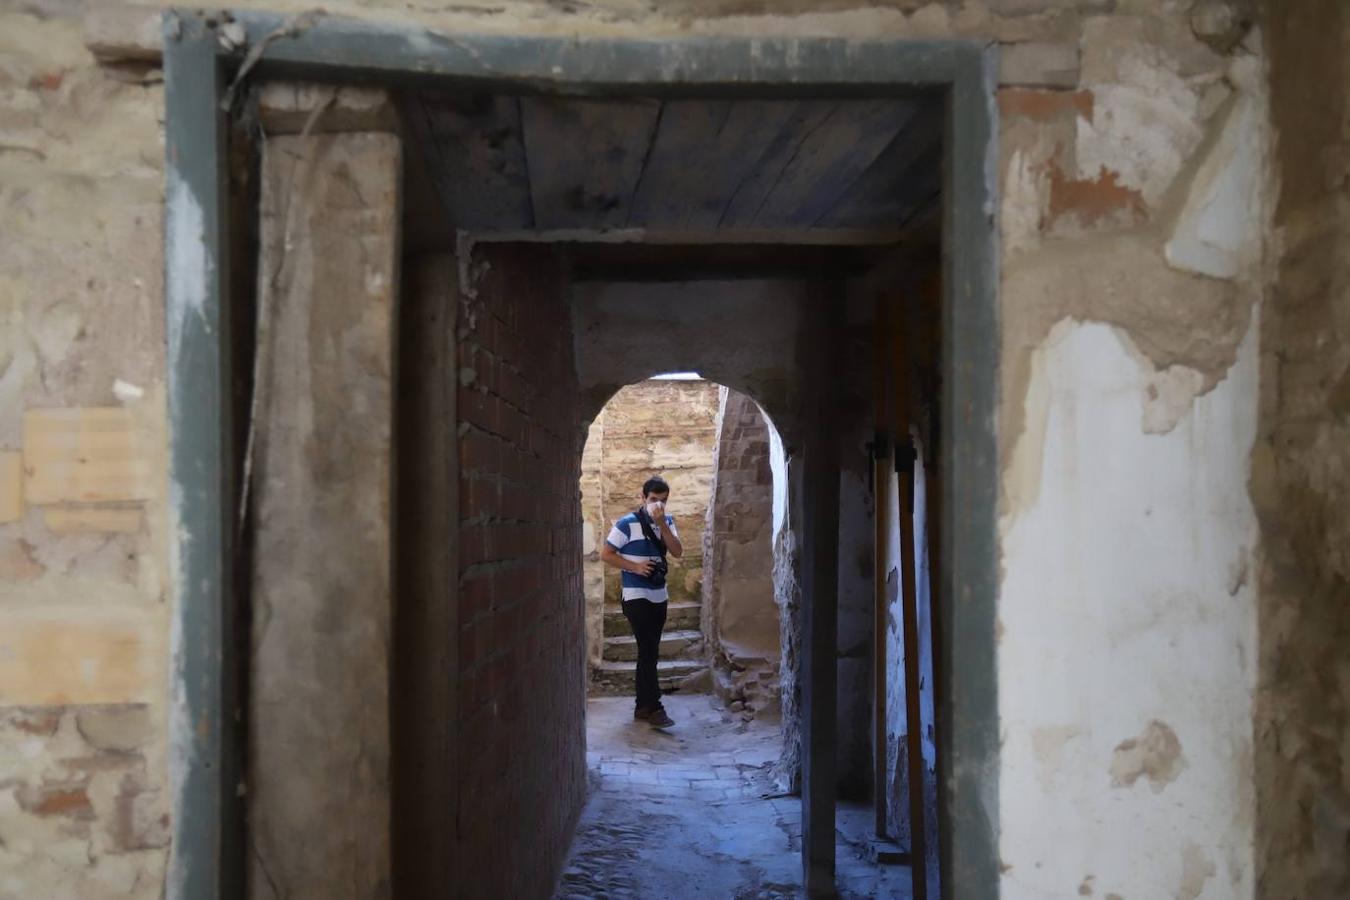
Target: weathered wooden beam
<point>289,107</point>
<point>585,158</point>
<point>319,698</point>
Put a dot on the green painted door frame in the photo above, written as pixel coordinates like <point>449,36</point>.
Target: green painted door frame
<point>205,52</point>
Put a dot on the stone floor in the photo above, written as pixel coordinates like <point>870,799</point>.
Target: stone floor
<point>693,811</point>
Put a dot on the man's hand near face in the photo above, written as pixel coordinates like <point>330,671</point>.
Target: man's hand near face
<point>656,508</point>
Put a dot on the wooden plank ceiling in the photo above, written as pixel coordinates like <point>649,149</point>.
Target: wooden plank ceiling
<point>509,164</point>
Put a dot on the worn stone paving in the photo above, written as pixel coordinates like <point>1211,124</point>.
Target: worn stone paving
<point>695,811</point>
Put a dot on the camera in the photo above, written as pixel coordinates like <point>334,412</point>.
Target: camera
<point>659,570</point>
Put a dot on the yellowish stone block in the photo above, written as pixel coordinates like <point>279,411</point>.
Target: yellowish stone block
<point>54,657</point>
<point>11,486</point>
<point>108,519</point>
<point>86,455</point>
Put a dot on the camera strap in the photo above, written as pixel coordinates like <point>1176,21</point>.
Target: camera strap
<point>645,521</point>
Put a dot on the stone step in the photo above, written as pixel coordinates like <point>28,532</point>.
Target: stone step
<point>616,678</point>
<point>674,644</point>
<point>679,615</point>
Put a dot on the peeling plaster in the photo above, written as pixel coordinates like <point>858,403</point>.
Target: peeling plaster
<point>1196,868</point>
<point>1155,754</point>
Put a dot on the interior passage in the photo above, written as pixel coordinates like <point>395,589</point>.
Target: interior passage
<point>699,811</point>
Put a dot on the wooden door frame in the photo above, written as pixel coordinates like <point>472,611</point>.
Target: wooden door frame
<point>205,53</point>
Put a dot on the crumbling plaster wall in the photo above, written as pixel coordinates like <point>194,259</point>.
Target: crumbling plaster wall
<point>1109,112</point>
<point>1300,465</point>
<point>83,445</point>
<point>1134,204</point>
<point>664,428</point>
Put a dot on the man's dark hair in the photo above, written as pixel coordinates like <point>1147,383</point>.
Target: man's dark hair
<point>655,485</point>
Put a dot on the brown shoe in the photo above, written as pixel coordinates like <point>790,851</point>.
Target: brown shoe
<point>642,715</point>
<point>659,718</point>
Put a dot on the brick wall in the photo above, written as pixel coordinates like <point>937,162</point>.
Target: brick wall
<point>521,689</point>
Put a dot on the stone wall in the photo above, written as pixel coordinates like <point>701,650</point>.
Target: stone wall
<point>522,694</point>
<point>657,427</point>
<point>1131,238</point>
<point>1301,467</point>
<point>84,598</point>
<point>628,340</point>
<point>740,610</point>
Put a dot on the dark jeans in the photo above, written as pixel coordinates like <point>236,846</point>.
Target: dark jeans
<point>647,620</point>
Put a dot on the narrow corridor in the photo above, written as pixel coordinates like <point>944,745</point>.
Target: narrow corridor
<point>694,811</point>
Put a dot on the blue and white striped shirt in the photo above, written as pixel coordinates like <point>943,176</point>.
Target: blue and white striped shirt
<point>629,540</point>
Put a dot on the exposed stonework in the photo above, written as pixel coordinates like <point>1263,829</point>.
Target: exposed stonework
<point>1301,467</point>
<point>1097,182</point>
<point>81,306</point>
<point>656,427</point>
<point>740,610</point>
<point>84,812</point>
<point>83,538</point>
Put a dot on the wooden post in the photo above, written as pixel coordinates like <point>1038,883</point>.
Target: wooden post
<point>881,501</point>
<point>904,467</point>
<point>319,735</point>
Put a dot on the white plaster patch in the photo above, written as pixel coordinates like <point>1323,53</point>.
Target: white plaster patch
<point>189,264</point>
<point>1218,232</point>
<point>60,323</point>
<point>778,465</point>
<point>1117,612</point>
<point>127,392</point>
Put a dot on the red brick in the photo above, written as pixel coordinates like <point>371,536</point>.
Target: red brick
<point>1044,105</point>
<point>481,409</point>
<point>479,498</point>
<point>475,595</point>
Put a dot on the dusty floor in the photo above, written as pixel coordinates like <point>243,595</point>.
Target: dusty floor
<point>694,812</point>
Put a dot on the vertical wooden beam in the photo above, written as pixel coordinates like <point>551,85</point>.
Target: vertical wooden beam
<point>901,363</point>
<point>424,690</point>
<point>820,594</point>
<point>203,730</point>
<point>881,505</point>
<point>918,851</point>
<point>967,688</point>
<point>319,710</point>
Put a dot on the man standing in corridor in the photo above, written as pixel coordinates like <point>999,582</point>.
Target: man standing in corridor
<point>637,545</point>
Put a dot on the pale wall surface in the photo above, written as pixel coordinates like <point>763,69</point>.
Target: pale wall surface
<point>1093,175</point>
<point>1126,655</point>
<point>1127,697</point>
